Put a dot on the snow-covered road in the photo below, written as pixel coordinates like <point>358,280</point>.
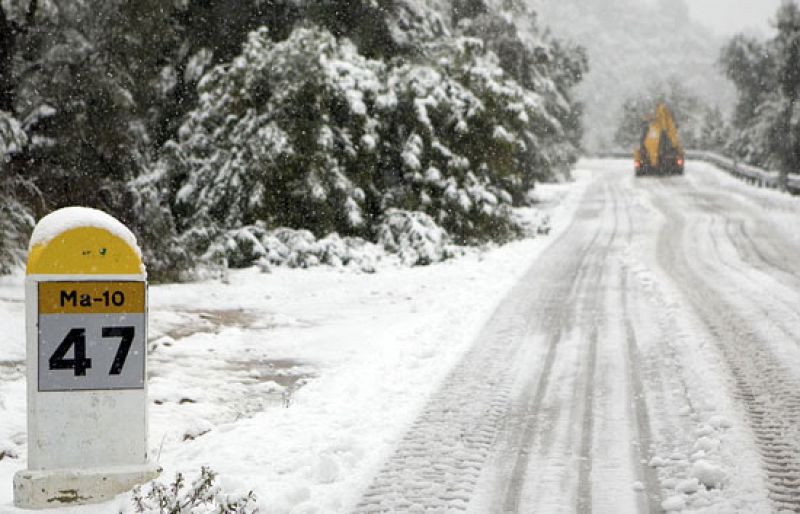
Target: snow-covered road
<point>644,357</point>
<point>647,361</point>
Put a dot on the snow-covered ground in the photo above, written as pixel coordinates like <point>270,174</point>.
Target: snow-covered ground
<point>296,383</point>
<point>646,362</point>
<point>610,385</point>
<point>643,357</point>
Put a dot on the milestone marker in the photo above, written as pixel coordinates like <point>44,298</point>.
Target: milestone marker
<point>86,327</point>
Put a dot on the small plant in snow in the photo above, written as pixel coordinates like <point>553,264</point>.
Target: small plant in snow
<point>414,237</point>
<point>202,496</point>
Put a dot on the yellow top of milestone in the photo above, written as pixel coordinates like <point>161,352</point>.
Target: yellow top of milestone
<point>83,250</point>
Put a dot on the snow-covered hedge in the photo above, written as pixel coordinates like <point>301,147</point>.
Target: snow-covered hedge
<point>294,248</point>
<point>408,238</point>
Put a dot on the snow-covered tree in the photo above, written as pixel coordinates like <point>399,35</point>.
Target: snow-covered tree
<point>320,116</point>
<point>308,133</point>
<point>273,136</point>
<point>750,64</point>
<point>714,131</point>
<point>766,76</point>
<point>16,220</point>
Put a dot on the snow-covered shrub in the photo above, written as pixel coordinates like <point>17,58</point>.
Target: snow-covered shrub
<point>243,248</point>
<point>201,496</point>
<point>414,237</point>
<point>255,244</point>
<point>301,247</point>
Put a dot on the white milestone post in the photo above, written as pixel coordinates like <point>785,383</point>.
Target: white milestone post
<point>86,317</point>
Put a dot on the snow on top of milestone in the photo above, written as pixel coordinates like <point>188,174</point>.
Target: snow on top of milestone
<point>68,218</point>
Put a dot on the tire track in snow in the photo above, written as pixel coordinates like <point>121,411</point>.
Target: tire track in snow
<point>767,391</point>
<point>584,499</point>
<point>789,309</point>
<point>752,255</point>
<point>533,397</point>
<point>777,270</point>
<point>769,234</point>
<point>781,314</point>
<point>680,375</point>
<point>584,503</point>
<point>647,475</point>
<point>770,261</point>
<point>585,298</point>
<point>644,437</point>
<point>437,463</point>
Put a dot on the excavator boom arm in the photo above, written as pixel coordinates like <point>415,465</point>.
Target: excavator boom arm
<point>660,145</point>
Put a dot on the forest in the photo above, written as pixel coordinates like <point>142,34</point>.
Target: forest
<point>299,132</point>
<point>230,133</point>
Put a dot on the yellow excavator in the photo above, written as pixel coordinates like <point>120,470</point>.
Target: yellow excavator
<point>660,151</point>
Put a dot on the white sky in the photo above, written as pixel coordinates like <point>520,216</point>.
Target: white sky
<point>729,16</point>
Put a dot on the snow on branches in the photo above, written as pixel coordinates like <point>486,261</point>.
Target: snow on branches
<point>16,218</point>
<point>307,133</point>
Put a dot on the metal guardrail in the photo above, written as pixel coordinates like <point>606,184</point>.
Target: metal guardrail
<point>611,154</point>
<point>751,174</point>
